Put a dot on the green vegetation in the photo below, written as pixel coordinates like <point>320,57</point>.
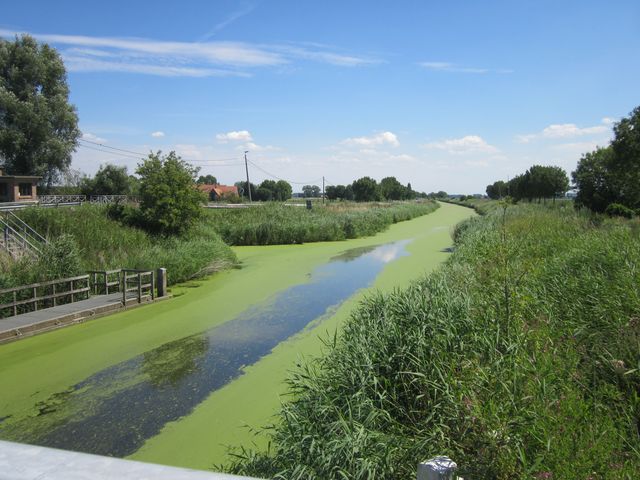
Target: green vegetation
<point>519,359</point>
<point>537,182</point>
<point>106,244</point>
<point>274,223</point>
<point>38,127</point>
<point>367,189</point>
<point>611,175</point>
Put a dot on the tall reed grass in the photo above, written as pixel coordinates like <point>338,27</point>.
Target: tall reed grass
<point>519,359</point>
<point>274,223</point>
<point>107,244</point>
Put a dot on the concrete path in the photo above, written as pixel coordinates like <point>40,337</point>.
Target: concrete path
<point>13,328</point>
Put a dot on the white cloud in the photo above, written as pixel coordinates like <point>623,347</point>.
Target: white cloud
<point>157,134</point>
<point>465,145</point>
<point>382,138</point>
<point>192,59</point>
<point>235,136</point>
<point>567,130</point>
<point>254,147</point>
<point>454,68</point>
<point>93,138</point>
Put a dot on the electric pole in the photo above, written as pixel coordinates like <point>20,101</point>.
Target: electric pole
<point>246,167</point>
<point>323,189</point>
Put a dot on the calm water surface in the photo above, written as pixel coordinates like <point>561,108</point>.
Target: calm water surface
<point>115,410</point>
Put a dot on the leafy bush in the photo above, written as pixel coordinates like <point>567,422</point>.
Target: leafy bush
<point>619,210</point>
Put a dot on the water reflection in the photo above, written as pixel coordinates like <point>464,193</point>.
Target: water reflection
<point>115,410</point>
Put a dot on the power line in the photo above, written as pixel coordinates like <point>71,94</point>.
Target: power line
<point>139,155</point>
<point>278,178</point>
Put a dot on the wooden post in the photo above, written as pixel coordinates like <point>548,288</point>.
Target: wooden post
<point>71,289</point>
<point>15,307</point>
<point>153,286</point>
<point>162,282</point>
<point>35,299</point>
<point>438,468</point>
<point>139,287</point>
<point>106,283</point>
<point>124,288</point>
<point>55,300</point>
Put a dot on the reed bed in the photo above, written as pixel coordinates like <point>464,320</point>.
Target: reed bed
<point>518,359</point>
<point>102,244</point>
<point>275,223</point>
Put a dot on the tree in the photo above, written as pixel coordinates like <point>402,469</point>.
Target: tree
<point>109,180</point>
<point>311,191</point>
<point>169,201</point>
<point>242,189</point>
<point>366,189</point>
<point>497,190</point>
<point>392,189</point>
<point>594,180</point>
<point>207,180</point>
<point>283,190</point>
<point>38,126</point>
<point>624,165</point>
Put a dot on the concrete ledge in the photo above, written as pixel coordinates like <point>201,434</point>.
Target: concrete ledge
<point>28,462</point>
<point>64,320</point>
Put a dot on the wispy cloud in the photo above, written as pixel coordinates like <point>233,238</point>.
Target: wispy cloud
<point>232,17</point>
<point>157,134</point>
<point>464,145</point>
<point>567,130</point>
<point>192,59</point>
<point>381,138</point>
<point>454,68</point>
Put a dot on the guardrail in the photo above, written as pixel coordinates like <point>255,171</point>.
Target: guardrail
<point>109,199</point>
<point>61,199</point>
<point>140,283</point>
<point>104,282</point>
<point>37,296</point>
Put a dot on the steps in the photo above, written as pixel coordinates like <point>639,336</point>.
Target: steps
<point>17,238</point>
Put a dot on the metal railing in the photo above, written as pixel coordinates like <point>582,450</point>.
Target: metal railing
<point>137,284</point>
<point>109,199</point>
<point>38,296</point>
<point>17,237</point>
<point>61,199</point>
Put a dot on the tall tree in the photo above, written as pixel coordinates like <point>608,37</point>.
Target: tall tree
<point>109,180</point>
<point>311,191</point>
<point>38,126</point>
<point>207,180</point>
<point>392,189</point>
<point>366,189</point>
<point>594,181</point>
<point>624,165</point>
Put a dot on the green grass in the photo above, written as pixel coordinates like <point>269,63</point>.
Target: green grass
<point>519,359</point>
<point>275,224</point>
<point>107,244</point>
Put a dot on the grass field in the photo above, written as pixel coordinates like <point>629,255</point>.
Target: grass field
<point>518,359</point>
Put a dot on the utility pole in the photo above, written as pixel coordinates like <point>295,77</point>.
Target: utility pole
<point>246,167</point>
<point>323,189</point>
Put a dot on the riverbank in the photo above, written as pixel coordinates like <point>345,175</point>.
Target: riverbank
<point>36,369</point>
<point>518,359</point>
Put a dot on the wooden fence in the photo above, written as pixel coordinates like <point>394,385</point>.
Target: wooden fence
<point>138,284</point>
<point>37,296</point>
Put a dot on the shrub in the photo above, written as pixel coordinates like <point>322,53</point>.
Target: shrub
<point>619,210</point>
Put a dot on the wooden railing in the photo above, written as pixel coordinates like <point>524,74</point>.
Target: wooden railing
<point>108,199</point>
<point>61,199</point>
<point>138,284</point>
<point>104,282</point>
<point>37,296</point>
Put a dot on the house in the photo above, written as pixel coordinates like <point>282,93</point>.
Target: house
<point>18,188</point>
<point>219,192</point>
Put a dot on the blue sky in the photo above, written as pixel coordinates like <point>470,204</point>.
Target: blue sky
<point>445,95</point>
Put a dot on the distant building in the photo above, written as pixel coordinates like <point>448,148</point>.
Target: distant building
<point>18,188</point>
<point>219,192</point>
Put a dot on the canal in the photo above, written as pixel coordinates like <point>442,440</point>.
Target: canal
<point>180,381</point>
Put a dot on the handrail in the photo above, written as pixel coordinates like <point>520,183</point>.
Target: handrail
<point>26,227</point>
<point>43,284</point>
<point>16,234</point>
<point>56,199</point>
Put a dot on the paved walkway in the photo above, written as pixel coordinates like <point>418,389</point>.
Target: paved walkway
<point>12,328</point>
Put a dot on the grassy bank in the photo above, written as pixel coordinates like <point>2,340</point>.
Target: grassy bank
<point>277,224</point>
<point>519,359</point>
<point>105,244</point>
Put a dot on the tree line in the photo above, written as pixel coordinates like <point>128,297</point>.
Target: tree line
<point>367,189</point>
<point>537,183</point>
<point>608,179</point>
